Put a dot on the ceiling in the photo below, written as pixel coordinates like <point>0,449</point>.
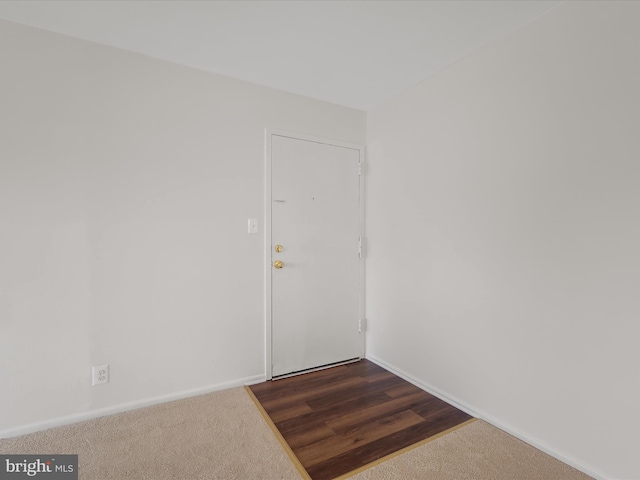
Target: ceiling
<point>352,53</point>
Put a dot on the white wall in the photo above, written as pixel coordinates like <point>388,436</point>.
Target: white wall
<point>504,231</point>
<point>125,188</point>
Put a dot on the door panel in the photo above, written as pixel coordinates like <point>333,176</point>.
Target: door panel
<point>315,217</point>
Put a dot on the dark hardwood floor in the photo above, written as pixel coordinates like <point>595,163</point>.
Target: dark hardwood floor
<point>342,418</point>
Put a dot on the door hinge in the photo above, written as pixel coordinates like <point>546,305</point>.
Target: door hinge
<point>362,325</point>
<point>360,168</point>
<point>361,247</point>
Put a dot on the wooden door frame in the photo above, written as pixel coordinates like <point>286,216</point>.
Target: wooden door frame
<point>268,203</point>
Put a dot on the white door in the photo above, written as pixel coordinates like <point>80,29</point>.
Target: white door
<point>316,223</point>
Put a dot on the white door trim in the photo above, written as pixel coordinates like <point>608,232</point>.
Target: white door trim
<point>268,133</point>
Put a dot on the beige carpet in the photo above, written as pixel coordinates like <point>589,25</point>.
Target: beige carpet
<point>217,436</point>
<point>476,451</point>
<point>223,436</point>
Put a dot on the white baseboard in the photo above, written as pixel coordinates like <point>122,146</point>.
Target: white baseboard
<point>465,407</point>
<point>125,407</point>
<point>459,404</point>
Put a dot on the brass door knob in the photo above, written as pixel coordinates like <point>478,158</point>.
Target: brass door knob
<point>278,248</point>
<point>278,264</point>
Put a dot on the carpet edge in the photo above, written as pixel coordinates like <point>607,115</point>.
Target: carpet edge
<point>405,450</point>
<point>278,435</point>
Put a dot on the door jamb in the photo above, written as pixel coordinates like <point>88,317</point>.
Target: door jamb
<point>268,202</point>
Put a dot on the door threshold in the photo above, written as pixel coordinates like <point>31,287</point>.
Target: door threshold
<point>315,369</point>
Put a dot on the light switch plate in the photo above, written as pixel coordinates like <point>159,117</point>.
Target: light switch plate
<point>253,225</point>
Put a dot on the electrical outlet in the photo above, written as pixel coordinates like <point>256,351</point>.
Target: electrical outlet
<point>100,374</point>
